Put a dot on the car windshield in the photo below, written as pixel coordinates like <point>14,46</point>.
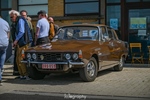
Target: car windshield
<point>78,33</point>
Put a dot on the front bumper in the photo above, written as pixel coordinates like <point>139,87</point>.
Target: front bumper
<point>69,63</point>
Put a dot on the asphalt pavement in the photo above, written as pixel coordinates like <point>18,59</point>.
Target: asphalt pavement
<point>133,83</point>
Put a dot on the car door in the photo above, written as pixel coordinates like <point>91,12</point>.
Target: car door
<point>106,48</point>
<point>115,43</point>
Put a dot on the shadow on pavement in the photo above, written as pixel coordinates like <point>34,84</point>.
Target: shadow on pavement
<point>52,79</point>
<point>57,79</point>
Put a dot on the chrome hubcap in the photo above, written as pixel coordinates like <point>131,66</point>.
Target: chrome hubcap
<point>121,62</point>
<point>91,69</point>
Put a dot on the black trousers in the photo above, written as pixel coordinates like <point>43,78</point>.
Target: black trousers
<point>15,68</point>
<point>42,40</point>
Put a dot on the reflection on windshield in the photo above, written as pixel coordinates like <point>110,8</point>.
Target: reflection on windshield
<point>78,33</point>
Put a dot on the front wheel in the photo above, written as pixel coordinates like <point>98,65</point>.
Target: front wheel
<point>35,74</point>
<point>89,72</point>
<point>119,67</point>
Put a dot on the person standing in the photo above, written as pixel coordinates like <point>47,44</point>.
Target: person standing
<point>21,39</point>
<point>24,13</point>
<point>42,29</point>
<point>15,67</point>
<point>53,28</point>
<point>4,41</point>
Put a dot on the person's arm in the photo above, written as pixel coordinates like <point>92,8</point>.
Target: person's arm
<point>8,31</point>
<point>21,31</point>
<point>36,34</point>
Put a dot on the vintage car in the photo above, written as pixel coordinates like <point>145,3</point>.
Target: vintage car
<point>83,48</point>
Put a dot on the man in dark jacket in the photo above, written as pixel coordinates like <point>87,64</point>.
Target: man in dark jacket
<point>15,68</point>
<point>21,39</point>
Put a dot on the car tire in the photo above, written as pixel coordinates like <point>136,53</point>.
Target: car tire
<point>119,67</point>
<point>35,74</point>
<point>89,72</point>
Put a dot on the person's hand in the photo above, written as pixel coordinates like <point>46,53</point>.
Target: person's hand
<point>15,43</point>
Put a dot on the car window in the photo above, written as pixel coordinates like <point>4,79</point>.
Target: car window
<point>112,34</point>
<point>115,34</point>
<point>104,33</point>
<point>79,33</point>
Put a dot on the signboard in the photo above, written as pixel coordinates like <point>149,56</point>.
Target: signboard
<point>138,23</point>
<point>142,32</point>
<point>114,23</point>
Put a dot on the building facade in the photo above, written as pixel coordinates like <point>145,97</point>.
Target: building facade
<point>130,18</point>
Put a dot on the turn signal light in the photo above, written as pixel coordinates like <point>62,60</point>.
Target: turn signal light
<point>80,54</point>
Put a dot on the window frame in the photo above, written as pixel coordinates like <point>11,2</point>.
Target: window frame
<point>81,14</point>
<point>32,5</point>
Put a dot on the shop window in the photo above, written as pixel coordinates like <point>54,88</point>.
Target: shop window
<point>113,1</point>
<point>5,6</point>
<point>132,0</point>
<point>35,5</point>
<point>146,0</point>
<point>78,0</point>
<point>5,16</point>
<point>113,16</point>
<point>25,2</point>
<point>6,3</point>
<point>139,27</point>
<point>76,7</point>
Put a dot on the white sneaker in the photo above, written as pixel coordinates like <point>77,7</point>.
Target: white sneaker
<point>22,77</point>
<point>27,78</point>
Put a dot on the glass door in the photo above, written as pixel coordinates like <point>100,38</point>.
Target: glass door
<point>139,28</point>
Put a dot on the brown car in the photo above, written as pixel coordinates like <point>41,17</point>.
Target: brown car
<point>84,48</point>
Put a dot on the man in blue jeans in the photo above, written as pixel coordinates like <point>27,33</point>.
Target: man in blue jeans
<point>4,37</point>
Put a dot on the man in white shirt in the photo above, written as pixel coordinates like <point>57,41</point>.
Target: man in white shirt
<point>4,41</point>
<point>42,29</point>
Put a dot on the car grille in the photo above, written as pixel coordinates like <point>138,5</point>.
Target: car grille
<point>49,57</point>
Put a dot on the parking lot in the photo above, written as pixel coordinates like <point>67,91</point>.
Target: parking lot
<point>132,82</point>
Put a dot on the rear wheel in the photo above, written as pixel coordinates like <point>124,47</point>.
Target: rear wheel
<point>89,72</point>
<point>35,74</point>
<point>119,67</point>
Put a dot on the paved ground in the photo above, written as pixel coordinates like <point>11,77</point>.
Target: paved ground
<point>131,83</point>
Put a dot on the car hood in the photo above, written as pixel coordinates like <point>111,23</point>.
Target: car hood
<point>64,46</point>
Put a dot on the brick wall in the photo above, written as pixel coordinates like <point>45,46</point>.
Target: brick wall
<point>55,7</point>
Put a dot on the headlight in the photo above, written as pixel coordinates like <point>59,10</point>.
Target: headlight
<point>68,56</point>
<point>28,55</point>
<point>34,56</point>
<point>75,56</point>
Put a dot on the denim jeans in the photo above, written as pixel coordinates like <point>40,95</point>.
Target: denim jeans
<point>2,59</point>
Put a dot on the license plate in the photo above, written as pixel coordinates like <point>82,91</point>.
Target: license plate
<point>48,66</point>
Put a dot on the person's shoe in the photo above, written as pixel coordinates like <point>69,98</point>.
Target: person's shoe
<point>22,77</point>
<point>27,78</point>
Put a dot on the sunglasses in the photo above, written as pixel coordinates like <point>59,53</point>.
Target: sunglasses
<point>24,15</point>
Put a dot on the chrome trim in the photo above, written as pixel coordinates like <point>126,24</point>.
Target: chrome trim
<point>70,63</point>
